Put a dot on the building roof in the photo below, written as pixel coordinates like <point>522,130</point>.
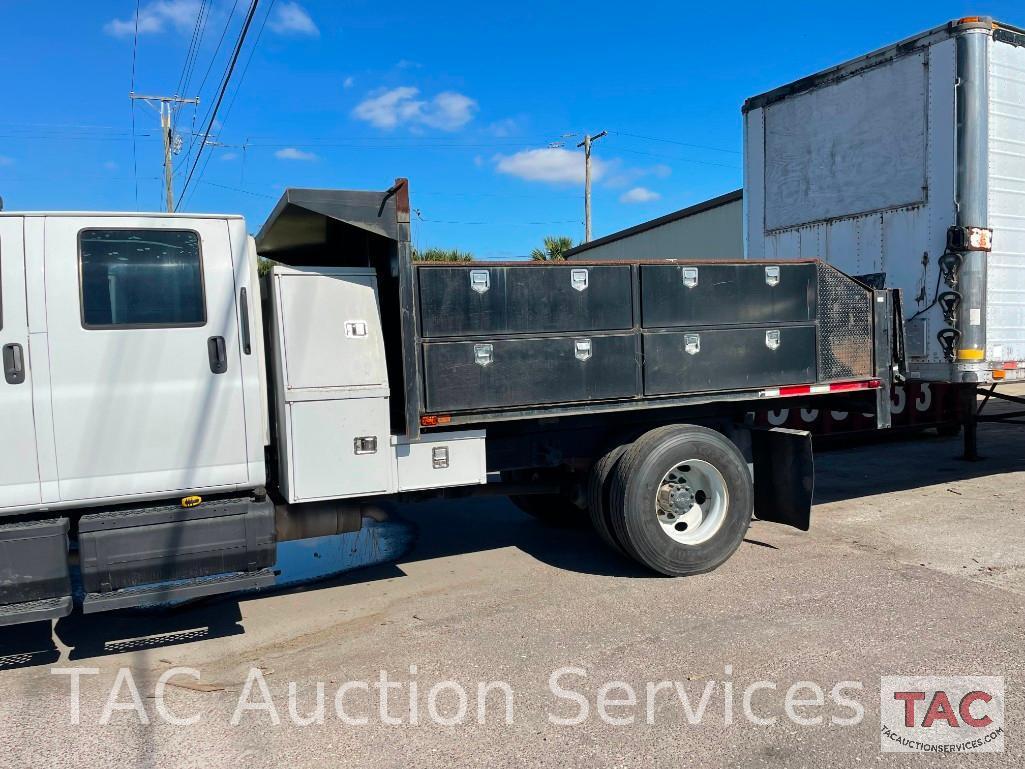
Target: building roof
<point>683,213</point>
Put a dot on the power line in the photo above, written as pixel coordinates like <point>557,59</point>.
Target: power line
<point>135,152</point>
<point>192,55</point>
<point>238,85</point>
<point>674,141</point>
<point>220,96</point>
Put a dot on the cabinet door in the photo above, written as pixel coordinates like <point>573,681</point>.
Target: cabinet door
<point>497,373</point>
<point>540,299</point>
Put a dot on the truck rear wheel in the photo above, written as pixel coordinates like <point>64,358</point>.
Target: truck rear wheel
<point>598,488</point>
<point>681,499</point>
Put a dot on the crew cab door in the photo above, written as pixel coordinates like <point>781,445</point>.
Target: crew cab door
<point>144,354</point>
<point>19,470</point>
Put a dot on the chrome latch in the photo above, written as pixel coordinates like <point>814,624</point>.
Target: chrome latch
<point>439,457</point>
<point>690,276</point>
<point>355,329</point>
<point>366,444</point>
<point>582,349</point>
<point>578,279</point>
<point>483,354</point>
<point>480,280</point>
<point>772,339</point>
<point>692,343</point>
<point>772,275</point>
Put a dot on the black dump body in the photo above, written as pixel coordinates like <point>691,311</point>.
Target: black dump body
<point>527,335</point>
<point>472,343</point>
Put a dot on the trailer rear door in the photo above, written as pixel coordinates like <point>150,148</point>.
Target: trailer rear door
<point>145,361</point>
<point>19,471</point>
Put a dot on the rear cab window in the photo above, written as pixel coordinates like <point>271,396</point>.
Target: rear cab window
<point>141,278</point>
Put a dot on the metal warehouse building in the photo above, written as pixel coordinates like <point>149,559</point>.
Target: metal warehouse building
<point>713,229</point>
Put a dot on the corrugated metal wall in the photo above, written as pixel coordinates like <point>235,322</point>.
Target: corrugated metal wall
<point>714,234</point>
<point>1005,272</point>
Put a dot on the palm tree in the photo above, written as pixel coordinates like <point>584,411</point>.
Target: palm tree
<point>555,249</point>
<point>441,255</point>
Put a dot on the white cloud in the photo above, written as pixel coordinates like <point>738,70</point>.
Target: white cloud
<point>621,176</point>
<point>156,17</point>
<point>639,195</point>
<point>291,153</point>
<point>349,82</point>
<point>292,19</point>
<point>448,111</point>
<point>554,165</point>
<point>505,127</point>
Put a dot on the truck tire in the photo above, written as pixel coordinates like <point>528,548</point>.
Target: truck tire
<point>598,488</point>
<point>681,499</point>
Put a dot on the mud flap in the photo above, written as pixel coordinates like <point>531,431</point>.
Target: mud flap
<point>784,475</point>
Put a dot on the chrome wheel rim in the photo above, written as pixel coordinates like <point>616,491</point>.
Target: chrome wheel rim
<point>691,502</point>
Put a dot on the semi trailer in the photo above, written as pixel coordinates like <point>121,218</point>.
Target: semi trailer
<point>170,415</point>
<point>908,164</point>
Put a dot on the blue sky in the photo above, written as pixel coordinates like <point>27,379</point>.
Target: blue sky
<point>479,104</point>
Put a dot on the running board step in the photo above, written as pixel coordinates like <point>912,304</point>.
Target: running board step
<point>174,592</point>
<point>35,611</point>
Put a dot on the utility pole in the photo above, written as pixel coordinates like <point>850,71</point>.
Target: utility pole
<point>586,144</point>
<point>164,105</point>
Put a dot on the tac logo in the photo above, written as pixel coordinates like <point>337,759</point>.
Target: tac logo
<point>941,714</point>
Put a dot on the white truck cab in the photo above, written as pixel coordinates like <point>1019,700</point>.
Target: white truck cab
<point>127,376</point>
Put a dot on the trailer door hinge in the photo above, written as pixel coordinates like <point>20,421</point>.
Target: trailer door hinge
<point>480,280</point>
<point>772,275</point>
<point>692,343</point>
<point>483,354</point>
<point>582,349</point>
<point>772,339</point>
<point>690,276</point>
<point>578,279</point>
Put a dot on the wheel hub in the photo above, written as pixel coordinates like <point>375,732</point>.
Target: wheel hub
<point>691,502</point>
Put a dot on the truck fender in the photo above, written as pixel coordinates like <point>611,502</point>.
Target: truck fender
<point>784,475</point>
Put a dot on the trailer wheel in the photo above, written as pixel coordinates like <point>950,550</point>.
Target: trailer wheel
<point>681,499</point>
<point>598,488</point>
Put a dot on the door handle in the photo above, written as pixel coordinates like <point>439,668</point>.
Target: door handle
<point>218,354</point>
<point>14,364</point>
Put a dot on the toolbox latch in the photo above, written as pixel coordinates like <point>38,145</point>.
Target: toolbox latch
<point>772,339</point>
<point>365,444</point>
<point>355,329</point>
<point>480,280</point>
<point>690,276</point>
<point>439,457</point>
<point>772,275</point>
<point>483,354</point>
<point>578,279</point>
<point>692,343</point>
<point>582,349</point>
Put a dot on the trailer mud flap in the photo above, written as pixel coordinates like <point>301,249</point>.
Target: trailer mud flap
<point>784,475</point>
